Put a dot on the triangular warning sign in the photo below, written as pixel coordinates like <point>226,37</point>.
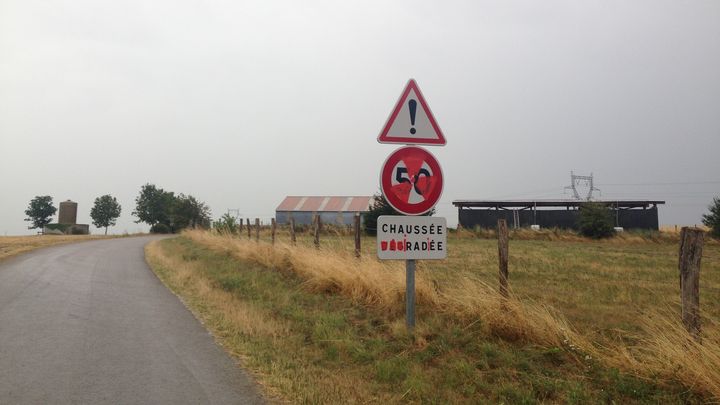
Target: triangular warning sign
<point>411,121</point>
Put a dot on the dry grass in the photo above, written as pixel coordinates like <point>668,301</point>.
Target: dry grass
<point>279,360</point>
<point>255,322</point>
<point>658,347</point>
<point>382,286</point>
<point>14,245</point>
<point>667,234</point>
<point>665,349</point>
<point>370,282</point>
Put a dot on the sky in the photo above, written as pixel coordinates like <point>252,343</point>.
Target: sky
<point>240,103</point>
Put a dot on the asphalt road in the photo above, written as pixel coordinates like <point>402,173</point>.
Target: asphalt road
<point>89,323</point>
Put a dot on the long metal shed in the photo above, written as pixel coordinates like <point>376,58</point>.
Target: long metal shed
<point>629,214</point>
<point>337,210</point>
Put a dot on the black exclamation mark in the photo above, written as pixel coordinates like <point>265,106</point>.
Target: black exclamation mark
<point>412,105</point>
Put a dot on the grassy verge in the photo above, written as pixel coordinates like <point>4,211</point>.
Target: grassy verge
<point>321,327</point>
<point>15,245</point>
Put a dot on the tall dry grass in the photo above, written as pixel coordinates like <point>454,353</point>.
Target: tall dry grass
<point>663,349</point>
<point>666,234</point>
<point>666,350</point>
<point>382,286</point>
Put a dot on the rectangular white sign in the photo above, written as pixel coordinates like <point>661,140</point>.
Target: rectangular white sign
<point>403,238</point>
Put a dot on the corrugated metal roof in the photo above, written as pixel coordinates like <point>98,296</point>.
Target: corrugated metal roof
<point>325,203</point>
<point>311,204</point>
<point>289,204</point>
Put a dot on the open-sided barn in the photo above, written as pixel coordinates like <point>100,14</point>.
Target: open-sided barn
<point>628,214</point>
<point>338,210</point>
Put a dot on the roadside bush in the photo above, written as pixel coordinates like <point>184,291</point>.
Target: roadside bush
<point>227,223</point>
<point>160,228</point>
<point>712,219</point>
<point>595,221</point>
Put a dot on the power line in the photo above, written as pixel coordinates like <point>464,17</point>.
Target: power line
<point>662,184</point>
<point>544,191</point>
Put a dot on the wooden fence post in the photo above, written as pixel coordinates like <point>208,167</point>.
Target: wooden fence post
<point>317,231</point>
<point>240,226</point>
<point>257,229</point>
<point>503,255</point>
<point>292,231</point>
<point>357,234</point>
<point>248,227</point>
<point>272,230</point>
<point>691,247</point>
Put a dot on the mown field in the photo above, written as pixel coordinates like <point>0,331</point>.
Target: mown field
<point>589,321</point>
<point>14,245</point>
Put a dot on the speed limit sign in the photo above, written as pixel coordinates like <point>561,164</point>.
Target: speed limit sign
<point>411,180</point>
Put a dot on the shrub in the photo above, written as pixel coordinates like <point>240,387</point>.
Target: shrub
<point>160,228</point>
<point>595,221</point>
<point>227,223</point>
<point>712,219</point>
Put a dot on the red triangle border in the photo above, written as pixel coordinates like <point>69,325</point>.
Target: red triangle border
<point>383,138</point>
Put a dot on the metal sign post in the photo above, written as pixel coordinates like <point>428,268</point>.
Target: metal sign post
<point>410,293</point>
<point>411,181</point>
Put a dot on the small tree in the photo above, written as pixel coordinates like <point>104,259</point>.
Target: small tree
<point>105,211</point>
<point>380,206</point>
<point>40,211</point>
<point>227,224</point>
<point>595,221</point>
<point>712,219</point>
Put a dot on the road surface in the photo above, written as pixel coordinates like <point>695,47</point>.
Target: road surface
<point>89,323</point>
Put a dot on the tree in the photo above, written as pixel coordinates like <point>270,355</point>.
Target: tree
<point>167,213</point>
<point>187,211</point>
<point>595,220</point>
<point>153,206</point>
<point>39,211</point>
<point>712,219</point>
<point>105,211</point>
<point>380,206</point>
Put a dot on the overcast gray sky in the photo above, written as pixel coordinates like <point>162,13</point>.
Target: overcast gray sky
<point>242,103</point>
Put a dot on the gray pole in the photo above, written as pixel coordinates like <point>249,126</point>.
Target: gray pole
<point>410,293</point>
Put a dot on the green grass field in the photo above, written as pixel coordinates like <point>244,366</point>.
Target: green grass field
<point>322,343</point>
<point>597,285</point>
